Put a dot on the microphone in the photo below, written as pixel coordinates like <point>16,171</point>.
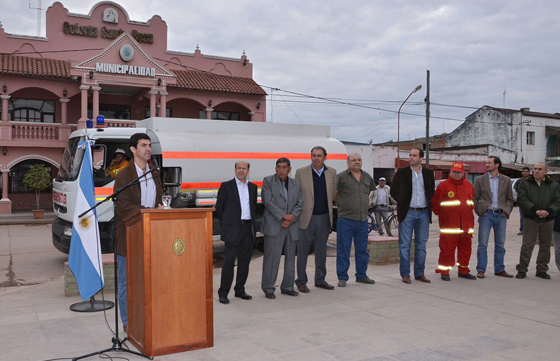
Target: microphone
<point>155,162</point>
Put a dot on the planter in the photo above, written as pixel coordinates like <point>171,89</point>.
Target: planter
<point>38,213</point>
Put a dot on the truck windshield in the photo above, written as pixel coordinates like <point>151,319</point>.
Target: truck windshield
<point>71,160</point>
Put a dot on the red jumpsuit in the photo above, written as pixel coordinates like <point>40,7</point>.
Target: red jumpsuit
<point>453,204</point>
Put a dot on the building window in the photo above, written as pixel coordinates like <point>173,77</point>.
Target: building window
<point>167,112</point>
<point>531,138</point>
<point>111,111</point>
<point>553,146</point>
<point>31,110</point>
<point>220,115</point>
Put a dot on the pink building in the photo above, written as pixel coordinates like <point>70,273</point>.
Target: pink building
<point>104,63</point>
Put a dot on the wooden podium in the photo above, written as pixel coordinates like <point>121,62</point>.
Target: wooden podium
<point>169,280</point>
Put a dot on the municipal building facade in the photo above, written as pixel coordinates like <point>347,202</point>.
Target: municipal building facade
<point>104,63</point>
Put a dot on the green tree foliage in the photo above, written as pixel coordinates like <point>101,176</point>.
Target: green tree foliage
<point>38,179</point>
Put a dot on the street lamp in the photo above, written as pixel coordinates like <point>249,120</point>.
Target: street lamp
<point>399,125</point>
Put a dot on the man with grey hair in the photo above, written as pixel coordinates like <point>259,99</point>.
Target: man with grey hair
<point>283,203</point>
<point>539,200</point>
<point>352,196</point>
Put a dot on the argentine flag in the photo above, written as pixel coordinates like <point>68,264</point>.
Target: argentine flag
<point>85,251</point>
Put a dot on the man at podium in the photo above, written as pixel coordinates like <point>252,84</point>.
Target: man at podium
<point>145,193</point>
<point>235,207</point>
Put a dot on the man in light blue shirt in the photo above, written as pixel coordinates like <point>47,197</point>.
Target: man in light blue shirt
<point>413,188</point>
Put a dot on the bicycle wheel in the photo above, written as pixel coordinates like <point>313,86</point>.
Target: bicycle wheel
<point>395,221</point>
<point>372,225</point>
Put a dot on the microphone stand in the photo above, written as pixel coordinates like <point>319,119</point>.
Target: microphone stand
<point>117,343</point>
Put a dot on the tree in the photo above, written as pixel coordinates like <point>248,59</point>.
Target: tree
<point>38,179</point>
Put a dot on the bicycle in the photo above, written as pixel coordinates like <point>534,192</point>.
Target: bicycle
<point>372,222</point>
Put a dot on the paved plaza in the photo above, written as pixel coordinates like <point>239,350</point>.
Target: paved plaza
<point>490,319</point>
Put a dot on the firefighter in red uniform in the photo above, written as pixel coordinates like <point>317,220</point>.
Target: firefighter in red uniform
<point>453,204</point>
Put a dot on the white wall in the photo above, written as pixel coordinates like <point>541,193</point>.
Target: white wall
<point>537,152</point>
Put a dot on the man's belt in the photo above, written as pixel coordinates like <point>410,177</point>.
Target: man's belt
<point>243,221</point>
<point>495,210</point>
<point>418,209</point>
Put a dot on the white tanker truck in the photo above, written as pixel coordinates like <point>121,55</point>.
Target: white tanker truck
<point>195,156</point>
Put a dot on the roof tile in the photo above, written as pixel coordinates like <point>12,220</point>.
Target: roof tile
<point>28,66</point>
<point>199,80</point>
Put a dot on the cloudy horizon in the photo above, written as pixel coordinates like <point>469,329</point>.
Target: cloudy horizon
<point>351,65</point>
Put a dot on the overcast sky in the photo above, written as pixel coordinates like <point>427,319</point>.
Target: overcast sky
<point>365,56</point>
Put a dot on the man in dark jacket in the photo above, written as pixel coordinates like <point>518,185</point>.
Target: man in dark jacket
<point>539,200</point>
<point>143,194</point>
<point>235,207</point>
<point>413,188</point>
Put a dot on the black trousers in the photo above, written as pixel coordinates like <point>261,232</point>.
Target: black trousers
<point>242,249</point>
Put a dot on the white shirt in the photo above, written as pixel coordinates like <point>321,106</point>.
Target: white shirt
<point>243,190</point>
<point>147,187</point>
<point>418,199</point>
<point>320,171</point>
<point>382,196</point>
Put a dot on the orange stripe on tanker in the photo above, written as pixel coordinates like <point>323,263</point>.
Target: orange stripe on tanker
<point>244,155</point>
<point>207,185</point>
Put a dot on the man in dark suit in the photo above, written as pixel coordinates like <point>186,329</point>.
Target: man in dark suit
<point>283,203</point>
<point>317,186</point>
<point>493,203</point>
<point>144,194</point>
<point>413,188</point>
<point>235,207</point>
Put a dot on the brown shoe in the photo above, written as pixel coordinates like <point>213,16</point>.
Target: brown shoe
<point>325,286</point>
<point>480,274</point>
<point>125,328</point>
<point>422,279</point>
<point>503,274</point>
<point>303,288</point>
<point>406,279</point>
<point>520,233</point>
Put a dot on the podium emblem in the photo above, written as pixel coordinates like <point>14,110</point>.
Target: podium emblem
<point>179,246</point>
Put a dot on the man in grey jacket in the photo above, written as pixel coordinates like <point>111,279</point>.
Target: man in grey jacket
<point>283,203</point>
<point>493,202</point>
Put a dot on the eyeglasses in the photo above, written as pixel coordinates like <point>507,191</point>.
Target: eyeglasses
<point>355,160</point>
<point>538,168</point>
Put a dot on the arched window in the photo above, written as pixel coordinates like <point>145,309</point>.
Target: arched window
<point>18,171</point>
<point>31,110</point>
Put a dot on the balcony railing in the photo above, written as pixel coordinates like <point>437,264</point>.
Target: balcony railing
<point>36,131</point>
<point>115,123</point>
<point>50,131</point>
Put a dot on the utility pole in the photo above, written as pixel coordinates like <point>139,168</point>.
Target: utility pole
<point>427,119</point>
